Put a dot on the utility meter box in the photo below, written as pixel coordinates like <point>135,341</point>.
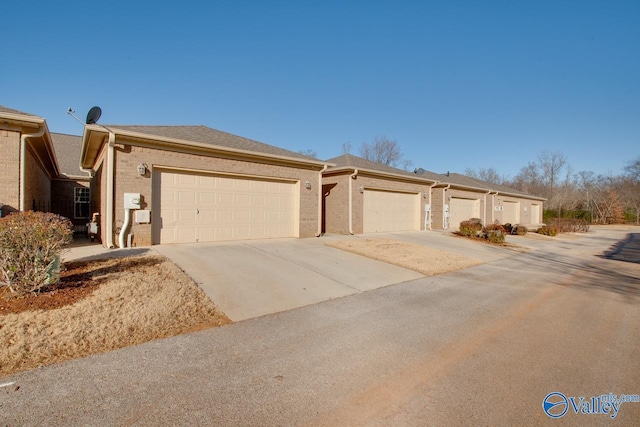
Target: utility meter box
<point>132,200</point>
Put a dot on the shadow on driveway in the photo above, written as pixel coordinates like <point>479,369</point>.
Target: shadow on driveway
<point>627,250</point>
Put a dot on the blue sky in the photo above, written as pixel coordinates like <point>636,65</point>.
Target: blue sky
<point>457,83</point>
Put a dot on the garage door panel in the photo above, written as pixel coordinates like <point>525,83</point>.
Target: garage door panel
<point>511,212</point>
<point>385,211</point>
<point>209,208</point>
<point>461,209</point>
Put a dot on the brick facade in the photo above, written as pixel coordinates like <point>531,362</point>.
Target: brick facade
<point>38,186</point>
<point>127,180</point>
<point>9,171</point>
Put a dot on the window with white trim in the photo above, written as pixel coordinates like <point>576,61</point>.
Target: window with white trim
<point>81,203</point>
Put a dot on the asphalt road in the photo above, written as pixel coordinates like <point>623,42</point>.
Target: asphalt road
<point>482,346</point>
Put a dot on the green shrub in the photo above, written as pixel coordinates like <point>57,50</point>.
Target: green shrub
<point>470,228</point>
<point>548,230</point>
<point>494,233</point>
<point>30,247</point>
<point>520,230</point>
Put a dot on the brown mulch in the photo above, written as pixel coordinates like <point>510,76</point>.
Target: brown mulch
<point>76,283</point>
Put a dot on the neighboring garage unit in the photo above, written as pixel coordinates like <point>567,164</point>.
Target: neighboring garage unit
<point>390,211</point>
<point>535,214</point>
<point>511,213</point>
<point>462,209</point>
<point>201,207</point>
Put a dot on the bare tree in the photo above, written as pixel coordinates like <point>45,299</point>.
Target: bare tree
<point>309,153</point>
<point>631,186</point>
<point>586,182</point>
<point>551,164</point>
<point>383,150</point>
<point>630,190</point>
<point>529,180</point>
<point>632,170</point>
<point>346,147</point>
<point>489,175</point>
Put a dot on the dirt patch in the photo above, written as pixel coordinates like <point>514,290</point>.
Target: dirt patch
<point>100,306</point>
<point>419,258</point>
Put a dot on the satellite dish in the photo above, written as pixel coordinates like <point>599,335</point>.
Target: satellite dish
<point>419,171</point>
<point>93,115</point>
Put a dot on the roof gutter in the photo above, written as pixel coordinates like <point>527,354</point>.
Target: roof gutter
<point>23,166</point>
<point>351,178</point>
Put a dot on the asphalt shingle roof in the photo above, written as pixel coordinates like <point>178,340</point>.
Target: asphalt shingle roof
<point>68,149</point>
<point>349,160</point>
<point>4,109</point>
<point>206,135</point>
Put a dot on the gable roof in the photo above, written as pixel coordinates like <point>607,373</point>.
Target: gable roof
<point>4,109</point>
<point>349,161</point>
<point>68,149</point>
<point>207,135</point>
<point>35,132</point>
<point>199,137</point>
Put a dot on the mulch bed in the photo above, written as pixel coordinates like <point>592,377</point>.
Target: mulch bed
<point>75,284</point>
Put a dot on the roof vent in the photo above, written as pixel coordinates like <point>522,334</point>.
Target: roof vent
<point>418,171</point>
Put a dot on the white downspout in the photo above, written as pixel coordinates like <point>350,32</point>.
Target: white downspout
<point>23,165</point>
<point>444,202</point>
<point>109,196</point>
<point>484,215</point>
<point>351,178</point>
<point>320,194</point>
<point>430,208</point>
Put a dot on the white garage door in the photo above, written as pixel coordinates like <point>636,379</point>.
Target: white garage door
<point>390,211</point>
<point>205,208</point>
<point>535,214</point>
<point>462,210</point>
<point>511,213</point>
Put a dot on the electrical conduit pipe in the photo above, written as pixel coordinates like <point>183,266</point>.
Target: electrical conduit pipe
<point>109,196</point>
<point>125,228</point>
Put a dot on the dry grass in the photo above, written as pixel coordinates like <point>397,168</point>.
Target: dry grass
<point>419,258</point>
<point>138,299</point>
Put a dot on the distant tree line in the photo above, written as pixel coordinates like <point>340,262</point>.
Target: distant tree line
<point>602,199</point>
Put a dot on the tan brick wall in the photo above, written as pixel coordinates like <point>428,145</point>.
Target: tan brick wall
<point>337,203</point>
<point>38,186</point>
<point>335,189</point>
<point>9,171</point>
<point>525,210</point>
<point>437,208</point>
<point>62,203</point>
<point>127,180</point>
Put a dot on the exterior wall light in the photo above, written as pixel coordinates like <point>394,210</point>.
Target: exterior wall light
<point>142,169</point>
<point>307,185</point>
<point>362,188</point>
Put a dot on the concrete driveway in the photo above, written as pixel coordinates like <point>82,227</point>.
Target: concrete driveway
<point>254,278</point>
